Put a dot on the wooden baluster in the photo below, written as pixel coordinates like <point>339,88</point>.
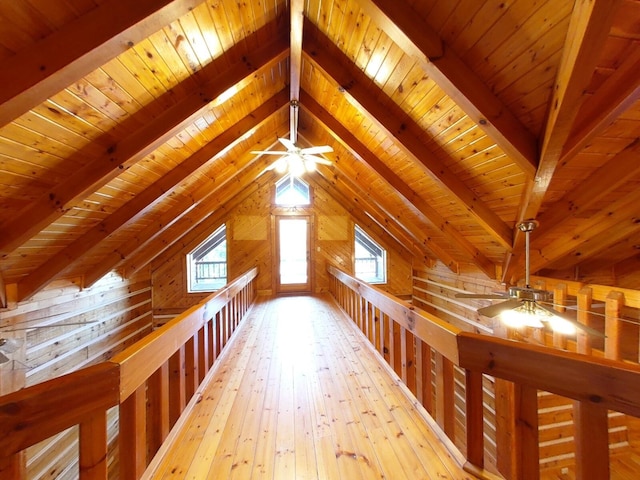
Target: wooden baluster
<point>14,466</point>
<point>526,439</point>
<point>191,366</point>
<point>613,325</point>
<point>445,395</point>
<point>93,447</point>
<point>397,348</point>
<point>211,342</point>
<point>203,353</point>
<point>424,386</point>
<point>410,359</point>
<point>560,298</point>
<point>403,355</point>
<point>474,418</point>
<point>380,332</point>
<point>132,436</point>
<point>158,405</point>
<point>217,328</point>
<point>583,340</point>
<point>388,338</point>
<point>177,399</point>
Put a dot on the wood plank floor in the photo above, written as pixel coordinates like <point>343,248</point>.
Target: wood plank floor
<point>299,394</point>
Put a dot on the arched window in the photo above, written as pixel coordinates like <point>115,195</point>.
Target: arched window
<point>370,258</point>
<point>207,263</point>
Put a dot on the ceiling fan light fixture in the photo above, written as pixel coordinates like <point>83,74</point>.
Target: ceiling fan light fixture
<point>523,316</point>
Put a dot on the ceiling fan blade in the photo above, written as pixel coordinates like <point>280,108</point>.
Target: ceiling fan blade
<point>498,308</point>
<point>489,296</point>
<point>316,159</point>
<point>572,321</point>
<point>268,152</point>
<point>315,150</point>
<point>288,144</point>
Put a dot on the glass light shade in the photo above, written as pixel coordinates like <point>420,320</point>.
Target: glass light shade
<point>296,167</point>
<point>530,315</point>
<point>521,317</point>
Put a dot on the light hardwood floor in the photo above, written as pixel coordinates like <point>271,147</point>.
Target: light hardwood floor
<point>299,394</point>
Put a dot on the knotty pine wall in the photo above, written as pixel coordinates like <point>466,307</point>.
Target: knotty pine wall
<point>250,242</point>
<point>113,314</point>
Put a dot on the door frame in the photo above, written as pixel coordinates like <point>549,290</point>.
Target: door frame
<point>295,288</point>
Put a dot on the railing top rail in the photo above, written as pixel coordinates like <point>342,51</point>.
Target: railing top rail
<point>33,414</point>
<point>612,384</point>
<point>436,332</point>
<point>140,360</point>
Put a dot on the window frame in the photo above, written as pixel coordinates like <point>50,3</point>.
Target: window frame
<point>380,259</point>
<point>191,268</point>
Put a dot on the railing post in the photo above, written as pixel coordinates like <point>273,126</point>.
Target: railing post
<point>591,425</point>
<point>526,439</point>
<point>93,447</point>
<point>132,437</point>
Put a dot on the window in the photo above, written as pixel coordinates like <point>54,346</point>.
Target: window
<point>371,259</point>
<point>207,263</point>
<point>291,191</point>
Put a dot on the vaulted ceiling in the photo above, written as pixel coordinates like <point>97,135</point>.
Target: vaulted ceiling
<point>124,124</point>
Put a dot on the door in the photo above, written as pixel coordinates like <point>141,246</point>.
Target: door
<point>293,239</point>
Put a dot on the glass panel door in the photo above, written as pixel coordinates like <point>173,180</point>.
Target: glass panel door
<point>293,254</point>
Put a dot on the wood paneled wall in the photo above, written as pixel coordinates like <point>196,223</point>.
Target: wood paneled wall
<point>65,328</point>
<point>250,242</point>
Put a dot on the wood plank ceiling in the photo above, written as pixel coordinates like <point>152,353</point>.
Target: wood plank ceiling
<point>124,124</point>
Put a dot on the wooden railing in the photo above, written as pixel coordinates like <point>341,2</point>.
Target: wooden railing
<point>152,381</point>
<point>411,339</point>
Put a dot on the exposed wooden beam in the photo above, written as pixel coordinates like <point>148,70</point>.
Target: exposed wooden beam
<point>150,241</point>
<point>588,28</point>
<point>45,68</point>
<point>619,92</point>
<point>617,171</point>
<point>362,153</point>
<point>295,64</point>
<point>399,127</point>
<point>74,252</point>
<point>591,235</point>
<point>96,173</point>
<point>406,27</point>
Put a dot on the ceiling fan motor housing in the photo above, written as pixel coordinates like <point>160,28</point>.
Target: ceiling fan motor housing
<point>533,294</point>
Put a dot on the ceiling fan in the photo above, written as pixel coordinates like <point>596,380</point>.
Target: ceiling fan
<point>526,306</point>
<point>296,160</point>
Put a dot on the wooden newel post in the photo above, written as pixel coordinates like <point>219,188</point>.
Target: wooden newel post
<point>517,431</point>
<point>14,466</point>
<point>132,436</point>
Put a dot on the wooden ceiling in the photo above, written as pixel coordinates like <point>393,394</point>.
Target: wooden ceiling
<point>124,124</point>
